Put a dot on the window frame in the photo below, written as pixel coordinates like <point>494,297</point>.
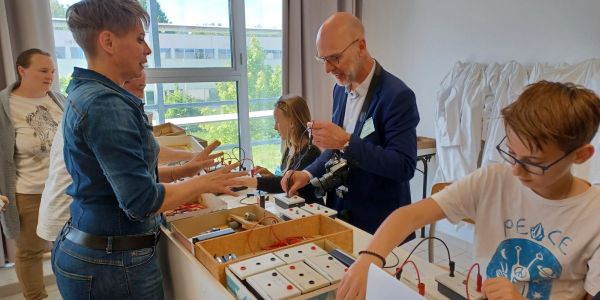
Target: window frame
<point>237,72</point>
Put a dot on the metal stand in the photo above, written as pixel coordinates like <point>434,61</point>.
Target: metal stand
<point>425,159</point>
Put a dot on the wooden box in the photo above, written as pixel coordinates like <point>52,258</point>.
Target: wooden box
<point>185,229</point>
<point>168,129</point>
<point>250,243</point>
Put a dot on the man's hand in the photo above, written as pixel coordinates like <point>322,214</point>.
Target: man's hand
<point>327,135</point>
<point>354,283</point>
<point>500,288</point>
<point>292,181</point>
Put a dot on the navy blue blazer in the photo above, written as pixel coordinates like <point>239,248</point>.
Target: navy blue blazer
<point>382,163</point>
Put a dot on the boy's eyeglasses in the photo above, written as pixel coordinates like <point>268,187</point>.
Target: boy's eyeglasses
<point>334,59</point>
<point>528,166</point>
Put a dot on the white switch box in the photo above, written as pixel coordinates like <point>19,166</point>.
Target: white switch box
<point>318,209</point>
<point>255,265</point>
<point>282,200</point>
<point>293,213</point>
<point>299,253</point>
<point>272,285</point>
<point>327,266</point>
<point>303,277</point>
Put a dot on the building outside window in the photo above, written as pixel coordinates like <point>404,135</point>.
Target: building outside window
<point>209,71</point>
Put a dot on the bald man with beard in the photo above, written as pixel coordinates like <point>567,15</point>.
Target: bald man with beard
<point>373,128</point>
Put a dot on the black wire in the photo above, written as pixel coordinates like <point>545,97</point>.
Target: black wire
<point>397,261</point>
<point>450,262</point>
<point>293,168</point>
<point>242,153</point>
<point>299,161</point>
<point>247,197</point>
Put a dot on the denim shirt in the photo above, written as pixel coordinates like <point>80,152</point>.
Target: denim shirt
<point>112,157</point>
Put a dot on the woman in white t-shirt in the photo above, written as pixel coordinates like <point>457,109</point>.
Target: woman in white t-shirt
<point>29,116</point>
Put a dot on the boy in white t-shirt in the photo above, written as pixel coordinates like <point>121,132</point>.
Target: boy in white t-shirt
<point>537,232</point>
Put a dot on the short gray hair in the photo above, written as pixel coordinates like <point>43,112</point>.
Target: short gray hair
<point>87,18</point>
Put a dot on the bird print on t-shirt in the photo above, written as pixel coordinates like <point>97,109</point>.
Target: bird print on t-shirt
<point>43,125</point>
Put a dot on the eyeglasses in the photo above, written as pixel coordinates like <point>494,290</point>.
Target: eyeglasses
<point>334,59</point>
<point>529,167</point>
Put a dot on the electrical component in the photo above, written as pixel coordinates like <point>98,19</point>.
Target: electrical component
<point>420,285</point>
<point>479,280</point>
<point>212,233</point>
<point>455,287</point>
<point>282,200</point>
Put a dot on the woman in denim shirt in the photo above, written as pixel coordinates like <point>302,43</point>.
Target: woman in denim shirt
<point>108,248</point>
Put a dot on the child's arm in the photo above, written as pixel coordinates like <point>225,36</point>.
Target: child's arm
<point>392,231</point>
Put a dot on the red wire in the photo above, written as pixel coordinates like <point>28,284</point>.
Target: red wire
<point>469,275</point>
<point>259,221</point>
<point>420,285</point>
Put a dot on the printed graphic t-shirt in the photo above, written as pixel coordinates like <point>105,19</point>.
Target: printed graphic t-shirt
<point>35,121</point>
<point>549,249</point>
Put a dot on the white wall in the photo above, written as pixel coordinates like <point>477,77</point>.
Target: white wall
<point>419,40</point>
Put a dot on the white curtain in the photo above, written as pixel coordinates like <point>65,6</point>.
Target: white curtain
<point>302,74</point>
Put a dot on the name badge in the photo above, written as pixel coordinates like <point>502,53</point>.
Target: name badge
<point>368,128</point>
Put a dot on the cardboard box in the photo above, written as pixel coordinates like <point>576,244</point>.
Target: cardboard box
<point>210,201</point>
<point>185,229</point>
<point>241,290</point>
<point>168,129</point>
<point>182,142</point>
<point>250,243</point>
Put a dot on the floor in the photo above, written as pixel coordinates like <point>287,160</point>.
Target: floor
<point>9,285</point>
<point>460,251</point>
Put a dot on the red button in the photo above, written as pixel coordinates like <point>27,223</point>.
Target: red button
<point>242,268</point>
<point>290,287</point>
<point>292,267</point>
<point>313,248</point>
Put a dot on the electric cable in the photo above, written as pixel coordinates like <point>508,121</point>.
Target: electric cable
<point>420,285</point>
<point>451,264</point>
<point>479,280</point>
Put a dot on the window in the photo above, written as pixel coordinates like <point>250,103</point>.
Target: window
<point>60,52</point>
<point>77,52</point>
<point>224,53</point>
<point>165,53</point>
<point>198,75</point>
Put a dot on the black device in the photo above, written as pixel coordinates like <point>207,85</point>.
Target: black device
<point>238,188</point>
<point>337,172</point>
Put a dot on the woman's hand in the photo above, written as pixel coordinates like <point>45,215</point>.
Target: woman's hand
<point>263,171</point>
<point>4,201</point>
<point>500,288</point>
<point>218,182</point>
<point>200,161</point>
<point>354,283</point>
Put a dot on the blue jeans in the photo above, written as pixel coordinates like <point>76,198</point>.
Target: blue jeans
<point>84,273</point>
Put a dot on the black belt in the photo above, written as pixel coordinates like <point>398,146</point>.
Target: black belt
<point>111,243</point>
